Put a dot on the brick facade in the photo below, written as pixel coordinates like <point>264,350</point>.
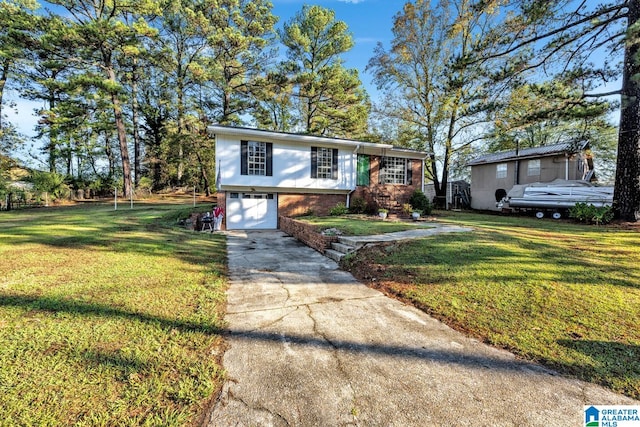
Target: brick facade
<point>390,196</point>
<point>292,205</point>
<point>306,233</point>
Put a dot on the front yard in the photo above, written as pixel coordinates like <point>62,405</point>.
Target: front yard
<point>563,294</point>
<point>108,317</point>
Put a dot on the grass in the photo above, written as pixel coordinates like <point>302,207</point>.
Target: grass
<point>563,294</point>
<point>108,317</point>
<point>357,225</point>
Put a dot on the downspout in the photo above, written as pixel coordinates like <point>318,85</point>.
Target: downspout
<point>517,177</point>
<point>354,168</point>
<point>422,175</point>
<point>566,167</point>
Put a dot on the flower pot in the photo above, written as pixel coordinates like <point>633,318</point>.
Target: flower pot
<point>382,215</point>
<point>415,216</point>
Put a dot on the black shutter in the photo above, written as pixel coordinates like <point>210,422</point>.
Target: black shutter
<point>334,164</point>
<point>269,159</point>
<point>409,172</point>
<point>314,162</point>
<point>244,158</point>
<point>381,165</point>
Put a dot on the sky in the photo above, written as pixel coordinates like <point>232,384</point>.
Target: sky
<point>369,21</point>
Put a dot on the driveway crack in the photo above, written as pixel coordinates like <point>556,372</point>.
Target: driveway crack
<point>252,408</point>
<point>341,368</point>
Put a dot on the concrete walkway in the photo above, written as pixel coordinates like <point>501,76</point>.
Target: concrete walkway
<point>311,346</point>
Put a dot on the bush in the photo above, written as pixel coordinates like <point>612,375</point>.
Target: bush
<point>420,202</point>
<point>51,183</point>
<point>591,214</point>
<point>371,208</point>
<point>145,185</point>
<point>339,209</point>
<point>358,205</point>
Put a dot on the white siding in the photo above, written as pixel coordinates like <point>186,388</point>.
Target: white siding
<point>291,167</point>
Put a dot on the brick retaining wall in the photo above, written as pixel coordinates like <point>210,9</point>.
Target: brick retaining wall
<point>307,234</point>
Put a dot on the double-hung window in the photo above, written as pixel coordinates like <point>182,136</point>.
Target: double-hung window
<point>533,167</point>
<point>256,158</point>
<point>501,170</point>
<point>395,170</point>
<point>324,163</point>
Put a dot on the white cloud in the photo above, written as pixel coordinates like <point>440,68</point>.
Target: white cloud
<point>352,1</point>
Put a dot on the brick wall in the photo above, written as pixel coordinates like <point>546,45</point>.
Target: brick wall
<point>306,233</point>
<point>390,196</point>
<point>291,205</point>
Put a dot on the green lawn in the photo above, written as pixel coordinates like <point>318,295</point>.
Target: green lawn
<point>108,317</point>
<point>360,225</point>
<point>563,294</point>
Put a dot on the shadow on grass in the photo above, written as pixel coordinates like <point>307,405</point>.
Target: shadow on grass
<point>622,360</point>
<point>484,248</point>
<point>144,230</point>
<point>56,305</point>
<point>115,360</point>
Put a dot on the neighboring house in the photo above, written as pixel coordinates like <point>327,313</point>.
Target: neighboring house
<point>493,175</point>
<point>262,175</point>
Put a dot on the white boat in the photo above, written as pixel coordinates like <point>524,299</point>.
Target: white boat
<point>556,196</point>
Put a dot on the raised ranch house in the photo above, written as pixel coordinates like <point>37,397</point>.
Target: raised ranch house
<point>493,175</point>
<point>262,175</point>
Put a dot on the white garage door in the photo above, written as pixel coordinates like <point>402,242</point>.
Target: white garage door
<point>252,211</point>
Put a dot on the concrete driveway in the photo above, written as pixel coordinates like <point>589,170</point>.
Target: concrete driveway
<point>311,346</point>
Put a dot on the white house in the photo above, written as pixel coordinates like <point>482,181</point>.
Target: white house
<point>262,175</point>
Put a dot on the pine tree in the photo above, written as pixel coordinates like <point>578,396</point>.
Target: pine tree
<point>331,99</point>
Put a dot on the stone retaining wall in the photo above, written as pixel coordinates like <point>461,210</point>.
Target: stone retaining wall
<point>306,233</point>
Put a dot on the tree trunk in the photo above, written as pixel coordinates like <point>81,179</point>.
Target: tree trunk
<point>136,125</point>
<point>627,188</point>
<point>181,89</point>
<point>4,75</point>
<point>52,140</point>
<point>203,173</point>
<point>120,127</point>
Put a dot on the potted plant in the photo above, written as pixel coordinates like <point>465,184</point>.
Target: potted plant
<point>382,213</point>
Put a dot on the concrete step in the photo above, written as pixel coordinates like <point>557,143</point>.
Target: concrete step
<point>341,247</point>
<point>349,241</point>
<point>334,255</point>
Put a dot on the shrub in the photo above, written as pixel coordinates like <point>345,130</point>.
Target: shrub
<point>371,208</point>
<point>420,202</point>
<point>339,209</point>
<point>358,205</point>
<point>407,209</point>
<point>591,214</point>
<point>145,185</point>
<point>52,183</point>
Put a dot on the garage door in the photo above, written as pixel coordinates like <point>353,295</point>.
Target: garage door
<point>252,211</point>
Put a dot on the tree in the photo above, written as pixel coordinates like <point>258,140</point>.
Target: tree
<point>552,112</point>
<point>331,98</point>
<point>439,98</point>
<point>102,38</point>
<point>16,22</point>
<point>242,49</point>
<point>564,35</point>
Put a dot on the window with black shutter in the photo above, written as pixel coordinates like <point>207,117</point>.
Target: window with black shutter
<point>256,158</point>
